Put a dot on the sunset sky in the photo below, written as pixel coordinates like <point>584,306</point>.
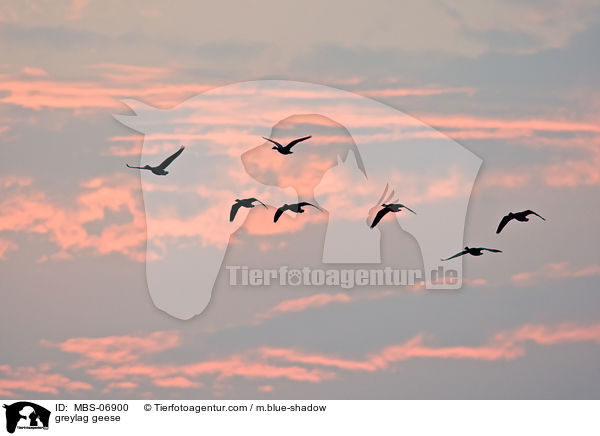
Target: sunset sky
<point>515,83</point>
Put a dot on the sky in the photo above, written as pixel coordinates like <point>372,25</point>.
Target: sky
<point>516,84</point>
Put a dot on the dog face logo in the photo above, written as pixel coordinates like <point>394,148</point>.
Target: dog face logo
<point>352,155</point>
<point>329,142</point>
<point>26,415</point>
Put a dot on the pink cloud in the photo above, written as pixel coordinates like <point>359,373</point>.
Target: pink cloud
<point>131,74</point>
<point>235,366</point>
<point>317,359</point>
<point>5,247</point>
<point>545,335</point>
<point>76,9</point>
<point>121,385</point>
<point>415,348</point>
<point>122,356</point>
<point>524,125</point>
<point>402,92</point>
<point>15,181</point>
<point>270,363</point>
<point>33,71</point>
<point>560,270</point>
<point>459,127</point>
<point>304,303</point>
<point>119,358</point>
<point>31,211</point>
<point>142,81</point>
<point>503,179</point>
<point>176,382</point>
<point>506,345</point>
<point>573,173</point>
<point>118,349</point>
<point>266,388</point>
<point>42,93</point>
<point>478,282</point>
<point>319,300</point>
<point>36,379</point>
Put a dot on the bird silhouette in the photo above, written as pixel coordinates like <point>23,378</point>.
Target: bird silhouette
<point>473,251</point>
<point>159,170</point>
<point>392,207</point>
<point>519,216</point>
<point>288,148</point>
<point>296,207</point>
<point>246,202</point>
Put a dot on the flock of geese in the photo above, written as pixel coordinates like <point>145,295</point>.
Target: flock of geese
<point>478,251</point>
<point>160,170</point>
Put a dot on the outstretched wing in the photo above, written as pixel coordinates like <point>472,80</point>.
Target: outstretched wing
<point>278,213</point>
<point>456,255</point>
<point>408,208</point>
<point>493,250</point>
<point>274,142</point>
<point>256,199</point>
<point>295,141</point>
<point>165,163</point>
<point>379,215</point>
<point>505,220</point>
<point>530,212</point>
<point>234,210</point>
<point>305,203</point>
<point>137,168</point>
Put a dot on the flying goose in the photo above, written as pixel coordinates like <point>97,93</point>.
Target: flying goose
<point>392,207</point>
<point>519,216</point>
<point>288,148</point>
<point>296,207</point>
<point>473,251</point>
<point>246,202</point>
<point>159,170</point>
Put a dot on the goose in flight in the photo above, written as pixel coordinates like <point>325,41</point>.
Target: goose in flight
<point>473,251</point>
<point>519,216</point>
<point>159,170</point>
<point>296,207</point>
<point>288,148</point>
<point>246,202</point>
<point>392,207</point>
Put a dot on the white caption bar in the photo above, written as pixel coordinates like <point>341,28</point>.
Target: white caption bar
<point>301,417</point>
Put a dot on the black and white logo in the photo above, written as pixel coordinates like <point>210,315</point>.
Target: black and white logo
<point>26,415</point>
